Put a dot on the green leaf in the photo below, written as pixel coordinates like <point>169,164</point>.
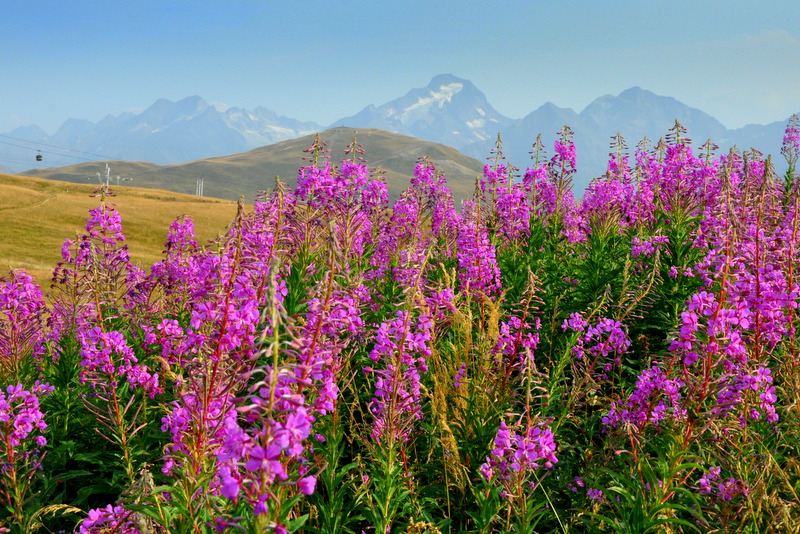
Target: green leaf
<point>297,523</point>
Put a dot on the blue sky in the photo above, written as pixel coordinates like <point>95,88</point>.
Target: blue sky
<point>321,61</point>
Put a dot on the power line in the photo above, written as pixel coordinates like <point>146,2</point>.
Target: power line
<point>40,143</point>
<point>46,151</point>
<point>15,161</point>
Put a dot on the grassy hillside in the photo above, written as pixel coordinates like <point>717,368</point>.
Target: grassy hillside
<point>36,215</point>
<point>246,174</point>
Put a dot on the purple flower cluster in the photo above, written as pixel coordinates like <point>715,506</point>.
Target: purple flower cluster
<point>262,444</point>
<point>333,189</point>
<point>21,443</point>
<point>609,204</point>
<point>647,246</point>
<point>264,449</point>
<point>254,333</point>
<point>402,348</point>
<point>565,159</point>
<point>412,247</point>
<point>673,183</point>
<point>462,371</point>
<point>734,392</point>
<point>22,322</point>
<point>20,417</point>
<point>197,426</point>
<point>107,357</point>
<point>330,322</point>
<point>400,248</point>
<point>602,343</point>
<point>654,398</point>
<point>552,202</point>
<point>543,193</point>
<point>738,323</point>
<point>224,309</point>
<point>519,452</point>
<point>514,213</point>
<point>711,483</point>
<point>435,199</point>
<point>114,519</point>
<point>517,340</point>
<point>101,241</point>
<point>595,494</point>
<point>244,414</point>
<point>441,304</point>
<point>479,273</point>
<point>177,271</point>
<point>97,264</point>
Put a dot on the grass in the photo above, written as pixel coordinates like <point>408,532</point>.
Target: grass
<point>36,215</point>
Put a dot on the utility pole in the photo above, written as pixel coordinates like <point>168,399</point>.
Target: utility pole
<point>105,180</point>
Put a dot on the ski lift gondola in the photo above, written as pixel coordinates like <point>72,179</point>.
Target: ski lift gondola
<point>39,156</point>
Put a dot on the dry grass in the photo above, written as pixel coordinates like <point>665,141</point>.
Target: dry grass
<point>36,215</point>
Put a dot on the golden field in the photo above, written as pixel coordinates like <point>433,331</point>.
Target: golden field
<point>36,215</point>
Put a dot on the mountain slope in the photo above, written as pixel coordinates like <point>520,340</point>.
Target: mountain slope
<point>245,174</point>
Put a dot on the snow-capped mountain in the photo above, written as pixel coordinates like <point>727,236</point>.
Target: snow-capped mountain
<point>450,109</point>
<point>262,126</point>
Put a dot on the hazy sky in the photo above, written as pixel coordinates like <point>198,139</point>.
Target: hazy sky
<point>321,61</point>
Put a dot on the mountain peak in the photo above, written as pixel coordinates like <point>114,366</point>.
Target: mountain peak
<point>447,79</point>
<point>449,109</point>
<point>638,95</point>
<point>634,91</point>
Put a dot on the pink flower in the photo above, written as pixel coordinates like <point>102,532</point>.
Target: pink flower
<point>307,485</point>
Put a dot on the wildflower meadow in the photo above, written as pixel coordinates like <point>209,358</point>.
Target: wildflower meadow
<point>523,361</point>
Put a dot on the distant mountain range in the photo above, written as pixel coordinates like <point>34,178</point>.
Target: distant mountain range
<point>165,133</point>
<point>450,111</point>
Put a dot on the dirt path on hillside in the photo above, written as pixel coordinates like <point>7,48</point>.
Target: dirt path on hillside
<point>36,205</point>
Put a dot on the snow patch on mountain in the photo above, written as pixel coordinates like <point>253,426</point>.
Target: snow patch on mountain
<point>440,97</point>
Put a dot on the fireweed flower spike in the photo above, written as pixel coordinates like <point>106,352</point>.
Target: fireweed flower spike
<point>107,358</point>
<point>479,273</point>
<point>21,444</point>
<point>790,149</point>
<point>22,322</point>
<point>600,346</point>
<point>264,451</point>
<point>435,200</point>
<point>519,452</point>
<point>401,348</point>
